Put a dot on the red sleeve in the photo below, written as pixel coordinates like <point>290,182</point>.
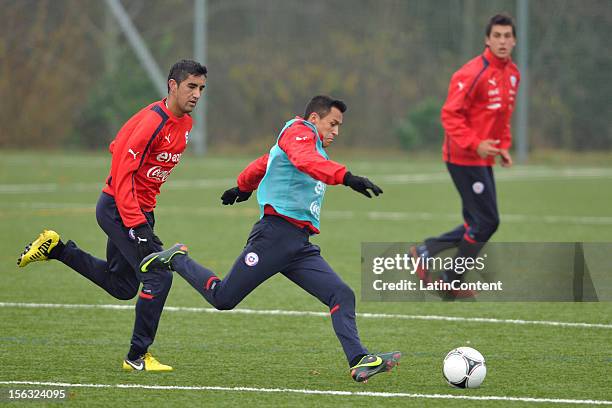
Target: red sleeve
<point>298,143</point>
<point>454,111</point>
<point>129,158</point>
<point>249,178</point>
<point>506,137</point>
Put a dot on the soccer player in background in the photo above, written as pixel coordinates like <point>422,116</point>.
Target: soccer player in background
<point>291,181</point>
<point>476,119</point>
<point>144,152</point>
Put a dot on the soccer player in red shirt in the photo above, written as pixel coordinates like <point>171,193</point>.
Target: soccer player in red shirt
<point>476,119</point>
<point>144,152</point>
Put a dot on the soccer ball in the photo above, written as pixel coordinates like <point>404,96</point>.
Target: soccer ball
<point>464,367</point>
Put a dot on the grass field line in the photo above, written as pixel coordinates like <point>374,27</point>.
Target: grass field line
<point>47,207</point>
<point>516,218</point>
<point>298,313</point>
<point>518,174</point>
<point>311,392</point>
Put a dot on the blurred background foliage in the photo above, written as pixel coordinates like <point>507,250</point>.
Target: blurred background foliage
<point>68,77</point>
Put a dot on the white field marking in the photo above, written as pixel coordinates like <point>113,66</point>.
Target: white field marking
<point>335,215</point>
<point>104,163</point>
<point>512,218</point>
<point>517,174</point>
<point>92,187</point>
<point>311,392</point>
<point>313,314</point>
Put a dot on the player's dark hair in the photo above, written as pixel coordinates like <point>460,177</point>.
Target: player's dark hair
<point>502,20</point>
<point>182,69</point>
<point>322,104</point>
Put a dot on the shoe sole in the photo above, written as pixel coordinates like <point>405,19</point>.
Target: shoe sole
<point>383,368</point>
<point>394,361</point>
<point>41,253</point>
<point>25,251</point>
<point>178,249</point>
<point>127,367</point>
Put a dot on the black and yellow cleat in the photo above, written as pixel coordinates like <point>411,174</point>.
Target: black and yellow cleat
<point>146,362</point>
<point>39,249</point>
<point>373,364</point>
<point>162,259</point>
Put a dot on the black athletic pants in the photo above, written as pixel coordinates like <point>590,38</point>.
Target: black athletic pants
<point>476,186</point>
<point>119,274</point>
<point>275,245</point>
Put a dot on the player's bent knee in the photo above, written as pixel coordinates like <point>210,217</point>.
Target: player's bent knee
<point>164,282</point>
<point>157,280</point>
<point>126,295</point>
<point>123,290</point>
<point>166,278</point>
<point>488,229</point>
<point>344,294</point>
<point>225,305</point>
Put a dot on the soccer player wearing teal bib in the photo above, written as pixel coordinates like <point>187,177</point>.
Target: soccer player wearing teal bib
<point>290,181</point>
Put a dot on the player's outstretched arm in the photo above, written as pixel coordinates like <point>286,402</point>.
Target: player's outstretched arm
<point>361,185</point>
<point>251,176</point>
<point>247,182</point>
<point>235,195</point>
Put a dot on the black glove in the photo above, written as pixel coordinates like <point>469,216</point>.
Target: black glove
<point>145,240</point>
<point>361,184</point>
<point>234,195</point>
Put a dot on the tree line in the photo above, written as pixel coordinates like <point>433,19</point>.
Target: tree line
<point>68,77</point>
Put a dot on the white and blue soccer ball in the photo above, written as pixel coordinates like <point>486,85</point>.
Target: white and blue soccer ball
<point>464,367</point>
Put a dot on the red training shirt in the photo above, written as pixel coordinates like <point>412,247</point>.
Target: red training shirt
<point>479,106</point>
<point>145,150</point>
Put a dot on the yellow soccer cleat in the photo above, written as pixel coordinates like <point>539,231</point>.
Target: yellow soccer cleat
<point>39,249</point>
<point>145,363</point>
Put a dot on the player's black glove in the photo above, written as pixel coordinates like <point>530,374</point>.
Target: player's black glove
<point>361,184</point>
<point>145,240</point>
<point>234,195</point>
